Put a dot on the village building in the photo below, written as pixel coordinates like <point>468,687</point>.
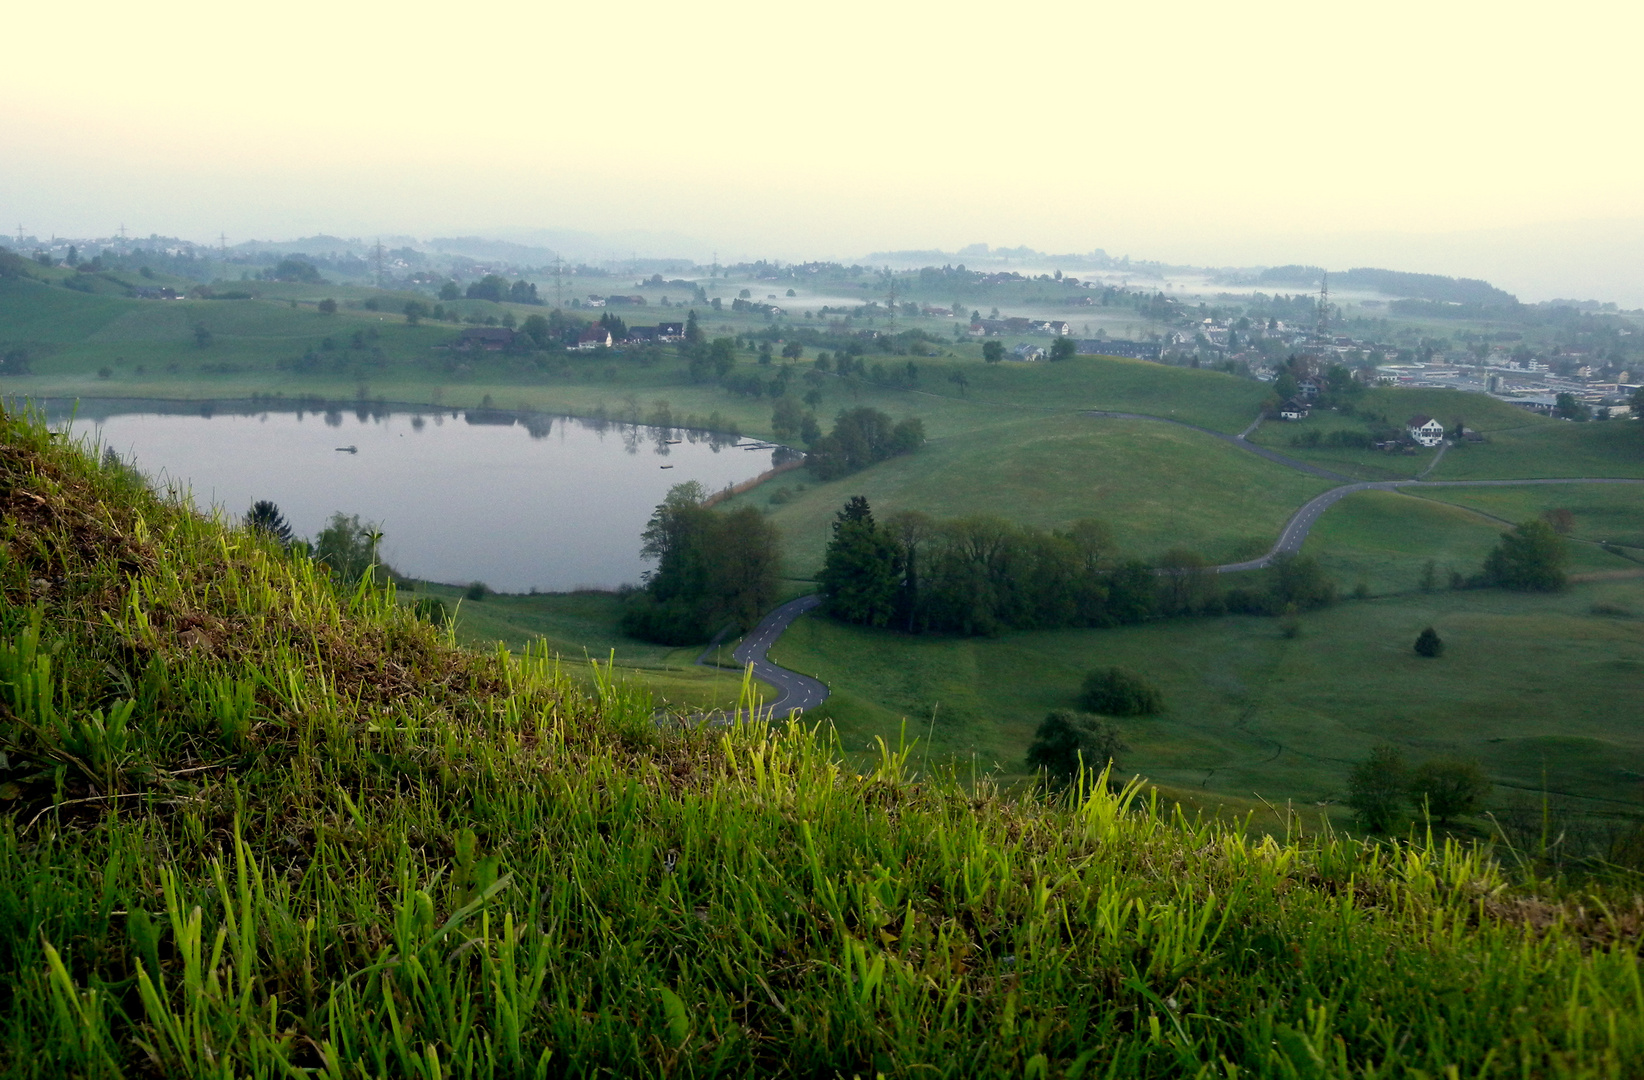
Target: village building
<point>595,337</point>
<point>1425,431</point>
<point>492,338</point>
<point>1293,409</point>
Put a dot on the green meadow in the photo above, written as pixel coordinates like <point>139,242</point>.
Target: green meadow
<point>1541,691</point>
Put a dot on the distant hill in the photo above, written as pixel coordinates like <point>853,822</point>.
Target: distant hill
<point>1433,287</point>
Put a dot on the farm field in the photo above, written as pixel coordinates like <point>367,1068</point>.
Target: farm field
<point>1540,690</point>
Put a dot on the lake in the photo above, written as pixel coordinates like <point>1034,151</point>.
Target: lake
<point>518,501</point>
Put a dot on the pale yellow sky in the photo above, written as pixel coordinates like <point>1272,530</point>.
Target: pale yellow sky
<point>1206,132</point>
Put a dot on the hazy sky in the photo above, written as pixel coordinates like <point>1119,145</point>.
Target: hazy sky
<point>1479,137</point>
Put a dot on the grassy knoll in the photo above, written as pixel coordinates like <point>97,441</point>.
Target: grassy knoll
<point>1160,485</point>
<point>1528,683</point>
<point>253,826</point>
<point>584,628</point>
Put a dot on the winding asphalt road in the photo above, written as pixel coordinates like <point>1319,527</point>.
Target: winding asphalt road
<point>796,692</point>
<point>800,692</point>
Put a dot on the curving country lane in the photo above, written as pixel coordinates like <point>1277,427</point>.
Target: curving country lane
<point>796,692</point>
<point>800,692</point>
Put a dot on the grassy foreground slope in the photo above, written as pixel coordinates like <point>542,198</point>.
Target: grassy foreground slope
<point>257,827</point>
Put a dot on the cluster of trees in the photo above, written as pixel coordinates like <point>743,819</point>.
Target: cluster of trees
<point>1530,558</point>
<point>1444,788</point>
<point>861,437</point>
<point>713,569</point>
<point>493,287</point>
<point>347,547</point>
<point>984,575</point>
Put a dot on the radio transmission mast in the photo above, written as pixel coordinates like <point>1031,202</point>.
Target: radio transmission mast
<point>558,281</point>
<point>1322,327</point>
<point>377,256</point>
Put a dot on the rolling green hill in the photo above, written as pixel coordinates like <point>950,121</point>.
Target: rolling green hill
<point>257,826</point>
<point>1158,485</point>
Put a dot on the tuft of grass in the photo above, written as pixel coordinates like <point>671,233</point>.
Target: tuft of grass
<point>254,825</point>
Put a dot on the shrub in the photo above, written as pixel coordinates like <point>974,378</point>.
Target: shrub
<point>476,591</point>
<point>328,306</point>
<point>1429,644</point>
<point>1067,741</point>
<point>1449,787</point>
<point>1116,691</point>
<point>1376,787</point>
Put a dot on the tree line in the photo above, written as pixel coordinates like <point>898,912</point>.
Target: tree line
<point>983,575</point>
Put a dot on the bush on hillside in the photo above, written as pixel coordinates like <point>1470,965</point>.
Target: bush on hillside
<point>1376,788</point>
<point>1449,787</point>
<point>1429,644</point>
<point>1068,741</point>
<point>1117,691</point>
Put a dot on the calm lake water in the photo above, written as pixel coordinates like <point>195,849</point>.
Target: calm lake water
<point>516,501</point>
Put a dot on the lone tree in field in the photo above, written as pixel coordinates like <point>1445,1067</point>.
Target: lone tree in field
<point>1376,787</point>
<point>1449,787</point>
<point>1067,741</point>
<point>1063,348</point>
<point>993,351</point>
<point>1116,691</point>
<point>1429,644</point>
<point>328,306</point>
<point>1531,558</point>
<point>265,517</point>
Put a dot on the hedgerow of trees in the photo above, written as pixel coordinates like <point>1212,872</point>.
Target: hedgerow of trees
<point>984,575</point>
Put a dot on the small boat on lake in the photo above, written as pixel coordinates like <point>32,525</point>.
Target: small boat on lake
<point>667,466</point>
<point>348,449</point>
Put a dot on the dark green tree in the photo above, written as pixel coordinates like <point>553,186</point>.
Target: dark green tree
<point>712,569</point>
<point>1449,787</point>
<point>328,306</point>
<point>1117,691</point>
<point>993,351</point>
<point>861,574</point>
<point>1429,644</point>
<point>1063,348</point>
<point>1376,788</point>
<point>1531,558</point>
<point>537,329</point>
<point>693,331</point>
<point>1567,407</point>
<point>450,291</point>
<point>265,517</point>
<point>1068,741</point>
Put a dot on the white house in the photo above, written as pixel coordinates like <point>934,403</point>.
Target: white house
<point>594,337</point>
<point>1426,431</point>
<point>1292,410</point>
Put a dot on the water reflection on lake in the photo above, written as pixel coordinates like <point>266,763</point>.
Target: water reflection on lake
<point>516,500</point>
